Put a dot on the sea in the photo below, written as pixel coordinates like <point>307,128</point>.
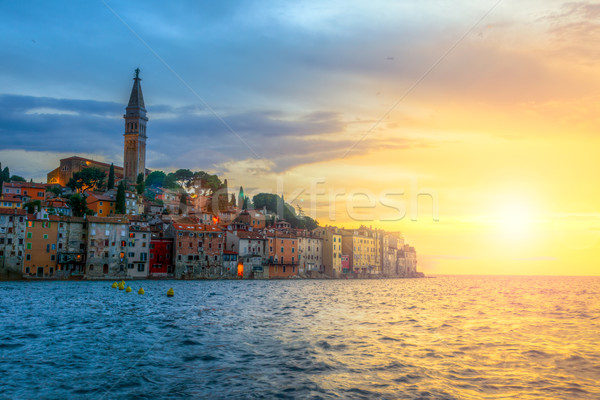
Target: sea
<point>445,337</point>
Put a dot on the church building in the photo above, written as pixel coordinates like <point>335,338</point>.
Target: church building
<point>134,147</point>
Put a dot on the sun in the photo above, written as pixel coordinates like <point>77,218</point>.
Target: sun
<point>515,219</point>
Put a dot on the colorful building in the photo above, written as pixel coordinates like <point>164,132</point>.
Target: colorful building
<point>40,247</point>
<point>283,254</point>
<point>11,201</point>
<point>102,204</point>
<point>27,190</point>
<point>161,256</point>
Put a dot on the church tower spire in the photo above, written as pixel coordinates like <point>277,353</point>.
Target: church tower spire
<point>135,132</point>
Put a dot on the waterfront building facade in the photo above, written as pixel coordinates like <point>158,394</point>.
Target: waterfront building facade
<point>107,247</point>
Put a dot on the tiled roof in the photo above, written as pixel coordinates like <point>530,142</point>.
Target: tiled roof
<point>117,168</point>
<point>32,185</point>
<point>12,211</point>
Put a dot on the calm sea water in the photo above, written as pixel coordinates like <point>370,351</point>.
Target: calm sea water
<point>447,337</point>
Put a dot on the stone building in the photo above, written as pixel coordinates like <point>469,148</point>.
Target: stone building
<point>135,133</point>
<point>310,252</point>
<point>71,246</point>
<point>71,165</point>
<point>12,242</point>
<point>107,247</point>
<point>138,249</point>
<point>251,248</point>
<point>331,249</point>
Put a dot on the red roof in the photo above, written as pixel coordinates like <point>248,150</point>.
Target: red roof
<point>12,211</point>
<point>26,185</point>
<point>117,168</point>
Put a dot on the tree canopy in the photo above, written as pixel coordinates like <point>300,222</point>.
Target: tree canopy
<point>87,179</point>
<point>78,204</point>
<point>120,200</point>
<point>155,179</point>
<point>277,205</point>
<point>111,177</point>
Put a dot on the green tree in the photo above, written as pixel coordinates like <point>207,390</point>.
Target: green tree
<point>170,182</point>
<point>120,200</point>
<point>17,178</point>
<point>245,203</point>
<point>78,204</point>
<point>1,178</point>
<point>33,206</point>
<point>56,190</point>
<point>155,179</point>
<point>87,179</point>
<point>183,203</point>
<point>140,186</point>
<point>111,177</point>
<point>184,177</point>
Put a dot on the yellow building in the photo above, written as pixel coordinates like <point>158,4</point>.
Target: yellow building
<point>11,201</point>
<point>361,251</point>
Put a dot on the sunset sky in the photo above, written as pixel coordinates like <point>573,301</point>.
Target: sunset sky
<point>491,109</point>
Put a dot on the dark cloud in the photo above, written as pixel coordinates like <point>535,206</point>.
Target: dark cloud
<point>187,138</point>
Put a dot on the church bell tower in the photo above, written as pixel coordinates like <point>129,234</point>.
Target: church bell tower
<point>135,133</point>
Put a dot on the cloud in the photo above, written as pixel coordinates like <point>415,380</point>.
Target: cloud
<point>186,136</point>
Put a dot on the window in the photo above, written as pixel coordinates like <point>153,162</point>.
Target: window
<point>132,235</point>
<point>45,236</point>
<point>144,256</point>
<point>131,254</point>
<point>28,246</point>
<point>28,257</point>
<point>29,235</point>
<point>101,205</point>
<point>30,224</point>
<point>151,245</point>
<point>53,246</point>
<point>52,257</point>
<point>282,249</point>
<point>141,267</point>
<point>130,266</point>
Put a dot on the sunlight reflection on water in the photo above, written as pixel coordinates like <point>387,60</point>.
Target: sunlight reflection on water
<point>447,337</point>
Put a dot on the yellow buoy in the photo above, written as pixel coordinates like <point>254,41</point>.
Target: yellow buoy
<point>121,286</point>
<point>170,292</point>
<point>141,291</point>
<point>114,285</point>
<point>128,289</point>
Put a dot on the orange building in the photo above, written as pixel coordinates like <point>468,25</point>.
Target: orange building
<point>283,254</point>
<point>40,246</point>
<point>101,204</point>
<point>27,190</point>
<point>253,218</point>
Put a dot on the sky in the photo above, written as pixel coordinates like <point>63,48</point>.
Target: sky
<point>470,127</point>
